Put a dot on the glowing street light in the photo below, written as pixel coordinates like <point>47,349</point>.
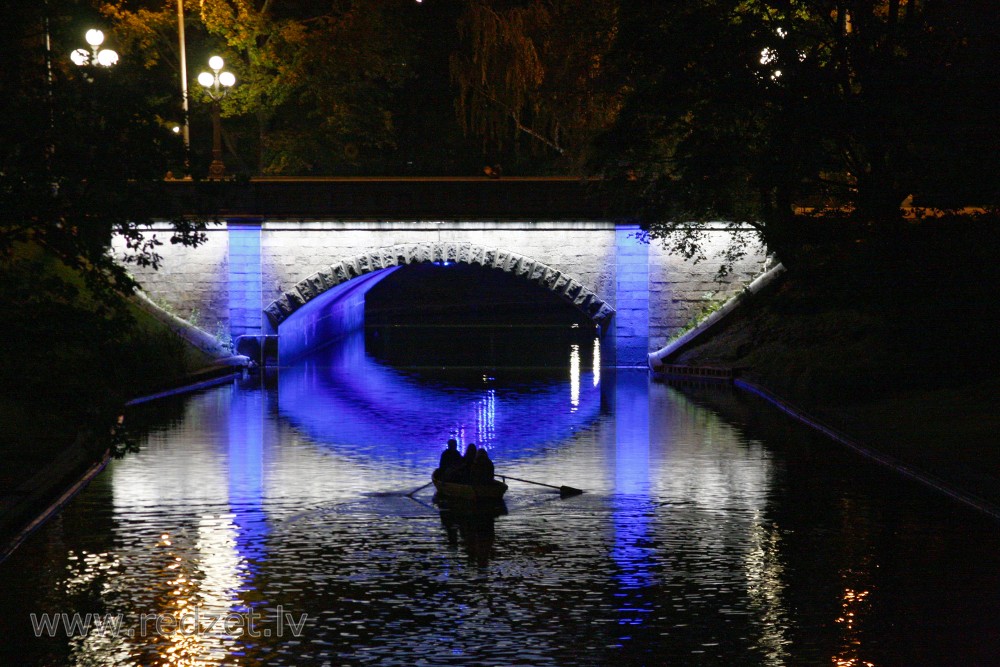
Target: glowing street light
<point>217,84</point>
<point>96,56</point>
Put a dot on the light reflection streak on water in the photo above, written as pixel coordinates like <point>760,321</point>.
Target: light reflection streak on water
<point>246,475</point>
<point>83,571</point>
<point>632,516</point>
<point>854,606</point>
<point>765,586</point>
<point>486,413</point>
<point>597,360</point>
<point>574,377</point>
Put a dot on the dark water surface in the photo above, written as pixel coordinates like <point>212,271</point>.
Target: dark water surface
<point>712,531</point>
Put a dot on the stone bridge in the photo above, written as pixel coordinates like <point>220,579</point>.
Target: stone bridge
<point>294,259</point>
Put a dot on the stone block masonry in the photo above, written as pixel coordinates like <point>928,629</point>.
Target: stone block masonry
<point>244,280</point>
<point>639,293</point>
<point>631,297</point>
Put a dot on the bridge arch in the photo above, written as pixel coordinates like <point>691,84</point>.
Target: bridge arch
<point>379,259</point>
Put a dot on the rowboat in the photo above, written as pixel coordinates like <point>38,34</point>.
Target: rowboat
<point>491,492</point>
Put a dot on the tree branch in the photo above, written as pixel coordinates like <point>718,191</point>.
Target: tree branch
<point>519,125</point>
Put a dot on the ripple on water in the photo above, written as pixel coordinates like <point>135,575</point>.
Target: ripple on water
<point>385,577</point>
<point>693,544</point>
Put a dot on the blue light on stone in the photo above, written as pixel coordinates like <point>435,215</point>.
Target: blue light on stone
<point>330,317</point>
<point>245,306</point>
<point>631,296</point>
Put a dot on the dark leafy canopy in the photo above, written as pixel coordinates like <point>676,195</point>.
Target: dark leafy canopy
<point>392,86</point>
<point>318,82</point>
<point>755,110</point>
<point>79,146</point>
<point>528,76</point>
<point>317,78</point>
<point>78,149</point>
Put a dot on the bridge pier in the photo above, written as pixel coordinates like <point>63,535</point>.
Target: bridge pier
<point>245,277</point>
<point>631,318</point>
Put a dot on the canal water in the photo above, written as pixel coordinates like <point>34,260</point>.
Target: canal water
<point>272,520</point>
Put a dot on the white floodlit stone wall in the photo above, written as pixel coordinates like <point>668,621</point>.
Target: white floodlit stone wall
<point>679,289</point>
<point>294,251</point>
<point>193,282</point>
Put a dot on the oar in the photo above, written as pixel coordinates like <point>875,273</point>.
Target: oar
<point>414,491</point>
<point>564,491</point>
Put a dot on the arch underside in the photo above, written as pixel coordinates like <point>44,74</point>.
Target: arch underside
<point>378,259</point>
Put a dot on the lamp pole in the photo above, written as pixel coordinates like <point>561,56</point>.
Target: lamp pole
<point>83,58</point>
<point>217,84</point>
<point>186,125</point>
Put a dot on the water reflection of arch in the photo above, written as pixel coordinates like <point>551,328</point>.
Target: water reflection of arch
<point>346,401</point>
<point>380,259</point>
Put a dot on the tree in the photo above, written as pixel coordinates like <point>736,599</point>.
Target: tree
<point>317,77</point>
<point>527,75</point>
<point>315,80</point>
<point>759,111</point>
<point>81,150</point>
<point>80,146</point>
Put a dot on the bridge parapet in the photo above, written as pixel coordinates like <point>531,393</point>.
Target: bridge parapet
<point>374,198</point>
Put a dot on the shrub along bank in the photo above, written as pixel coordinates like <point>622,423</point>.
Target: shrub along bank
<point>69,359</point>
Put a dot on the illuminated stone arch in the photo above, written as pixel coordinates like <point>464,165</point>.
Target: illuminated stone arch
<point>525,268</point>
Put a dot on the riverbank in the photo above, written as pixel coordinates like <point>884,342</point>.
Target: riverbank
<point>68,362</point>
<point>891,341</point>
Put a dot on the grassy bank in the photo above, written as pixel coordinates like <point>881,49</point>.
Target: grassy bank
<point>891,340</point>
<point>69,360</point>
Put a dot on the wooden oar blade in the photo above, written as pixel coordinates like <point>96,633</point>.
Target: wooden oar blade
<point>564,491</point>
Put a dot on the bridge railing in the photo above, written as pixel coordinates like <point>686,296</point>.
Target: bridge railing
<point>551,198</point>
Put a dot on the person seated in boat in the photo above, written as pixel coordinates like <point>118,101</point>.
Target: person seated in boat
<point>450,458</point>
<point>482,471</point>
<point>465,469</point>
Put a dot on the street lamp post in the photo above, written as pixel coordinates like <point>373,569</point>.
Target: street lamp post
<point>82,58</point>
<point>186,129</point>
<point>217,84</point>
<point>96,56</point>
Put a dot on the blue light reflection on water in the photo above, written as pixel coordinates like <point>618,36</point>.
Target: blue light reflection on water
<point>632,552</point>
<point>246,474</point>
<point>360,408</point>
<point>695,543</point>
